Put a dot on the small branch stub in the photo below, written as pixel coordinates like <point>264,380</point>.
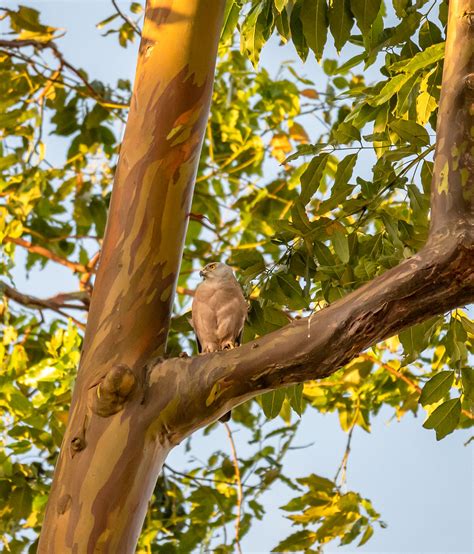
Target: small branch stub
<point>77,444</point>
<point>114,390</point>
<point>469,81</point>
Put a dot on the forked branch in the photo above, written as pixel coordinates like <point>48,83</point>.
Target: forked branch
<point>437,279</point>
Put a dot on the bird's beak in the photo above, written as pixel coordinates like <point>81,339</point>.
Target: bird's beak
<point>202,273</point>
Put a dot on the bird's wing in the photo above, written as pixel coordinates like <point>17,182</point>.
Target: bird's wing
<point>204,316</point>
<point>231,312</point>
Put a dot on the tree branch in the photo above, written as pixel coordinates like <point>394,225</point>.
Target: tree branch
<point>136,30</point>
<point>42,251</point>
<point>22,43</point>
<point>399,375</point>
<point>439,278</point>
<point>57,303</point>
<point>238,481</point>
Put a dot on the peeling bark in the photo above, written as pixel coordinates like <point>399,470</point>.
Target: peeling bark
<point>111,456</point>
<point>452,189</point>
<point>439,278</point>
<point>128,411</point>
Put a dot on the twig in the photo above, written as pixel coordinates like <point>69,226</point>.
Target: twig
<point>85,280</point>
<point>342,470</point>
<point>201,219</point>
<point>126,19</point>
<point>42,251</point>
<point>392,371</point>
<point>205,479</point>
<point>404,378</point>
<point>185,291</point>
<point>213,492</point>
<point>239,487</point>
<point>57,303</point>
<point>20,43</point>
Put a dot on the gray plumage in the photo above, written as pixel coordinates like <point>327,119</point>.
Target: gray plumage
<point>219,309</point>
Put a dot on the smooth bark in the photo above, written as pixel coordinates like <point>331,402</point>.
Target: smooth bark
<point>452,190</point>
<point>109,463</point>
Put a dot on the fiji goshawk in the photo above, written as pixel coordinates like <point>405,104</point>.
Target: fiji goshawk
<point>219,310</point>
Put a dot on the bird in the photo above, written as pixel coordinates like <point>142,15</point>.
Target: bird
<point>219,311</point>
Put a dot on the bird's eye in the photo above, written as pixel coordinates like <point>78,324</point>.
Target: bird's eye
<point>212,266</point>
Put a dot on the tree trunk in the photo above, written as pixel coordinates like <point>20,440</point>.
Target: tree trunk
<point>127,412</point>
<point>109,463</point>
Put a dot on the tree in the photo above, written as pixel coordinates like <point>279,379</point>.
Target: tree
<point>356,258</point>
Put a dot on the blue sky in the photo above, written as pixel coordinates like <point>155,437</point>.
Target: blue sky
<point>422,488</point>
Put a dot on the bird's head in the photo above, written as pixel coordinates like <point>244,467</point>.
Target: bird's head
<point>216,270</point>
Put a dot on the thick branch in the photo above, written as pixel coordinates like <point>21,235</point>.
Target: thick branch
<point>437,279</point>
<point>452,189</point>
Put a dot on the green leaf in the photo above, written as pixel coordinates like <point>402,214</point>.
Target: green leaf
<point>416,338</point>
<point>437,387</point>
<point>315,25</point>
<point>410,131</point>
<point>365,12</point>
<point>391,87</point>
<point>317,483</point>
<point>295,396</point>
<point>311,178</point>
<point>341,21</point>
<point>429,34</point>
<point>280,5</point>
<point>344,170</point>
<point>297,542</point>
<point>406,96</point>
<point>351,62</point>
<point>231,17</point>
<point>468,325</point>
<point>445,418</point>
<point>366,536</point>
<point>400,7</point>
<point>106,21</point>
<point>297,33</point>
<point>468,383</point>
<point>347,133</point>
<point>7,161</point>
<point>323,254</point>
<point>341,245</point>
<point>20,501</point>
<point>272,402</point>
<point>420,60</point>
<point>252,33</point>
<point>294,296</point>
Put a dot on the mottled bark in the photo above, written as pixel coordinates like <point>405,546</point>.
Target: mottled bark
<point>109,463</point>
<point>127,411</point>
<point>193,392</point>
<point>452,191</point>
<point>439,278</point>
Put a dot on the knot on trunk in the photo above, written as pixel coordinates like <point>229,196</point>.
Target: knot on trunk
<point>114,390</point>
<point>469,81</point>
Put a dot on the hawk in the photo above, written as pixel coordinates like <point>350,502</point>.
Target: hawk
<point>219,310</point>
